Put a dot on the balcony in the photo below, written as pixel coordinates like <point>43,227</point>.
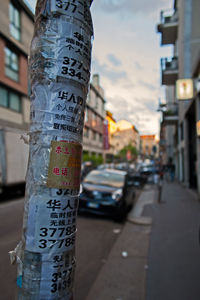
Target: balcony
<point>169,68</point>
<point>168,27</point>
<point>170,116</point>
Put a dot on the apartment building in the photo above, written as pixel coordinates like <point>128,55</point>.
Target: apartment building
<point>149,146</point>
<point>125,134</point>
<point>16,31</point>
<point>180,29</point>
<point>93,133</point>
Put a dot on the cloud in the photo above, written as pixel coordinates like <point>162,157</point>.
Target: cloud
<point>105,71</point>
<point>149,104</point>
<point>117,102</point>
<point>127,49</point>
<point>139,112</point>
<point>130,6</point>
<point>114,60</point>
<point>148,85</point>
<point>138,66</point>
<point>129,85</point>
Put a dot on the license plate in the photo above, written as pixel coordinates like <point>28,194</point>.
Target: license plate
<point>92,205</point>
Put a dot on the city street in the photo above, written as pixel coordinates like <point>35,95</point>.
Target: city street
<point>161,258</point>
<point>95,239</point>
<point>11,213</point>
<point>95,129</point>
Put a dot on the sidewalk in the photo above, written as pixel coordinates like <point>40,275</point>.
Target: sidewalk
<point>174,254</point>
<point>158,261</point>
<point>124,274</point>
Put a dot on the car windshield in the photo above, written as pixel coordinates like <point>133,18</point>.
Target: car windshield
<point>105,177</point>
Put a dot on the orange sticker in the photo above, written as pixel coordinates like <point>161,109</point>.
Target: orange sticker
<point>64,165</point>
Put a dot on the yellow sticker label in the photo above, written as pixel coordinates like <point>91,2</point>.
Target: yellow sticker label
<point>64,165</point>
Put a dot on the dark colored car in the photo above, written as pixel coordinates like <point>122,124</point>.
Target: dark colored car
<point>148,172</point>
<point>107,192</point>
<point>86,167</point>
<point>138,179</point>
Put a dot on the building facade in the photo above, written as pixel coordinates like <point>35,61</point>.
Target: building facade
<point>149,146</point>
<point>93,133</point>
<point>180,28</point>
<point>112,128</point>
<point>125,134</point>
<point>112,124</point>
<point>16,31</point>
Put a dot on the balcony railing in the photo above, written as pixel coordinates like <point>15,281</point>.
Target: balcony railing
<point>168,26</point>
<point>168,16</point>
<point>170,116</point>
<point>169,64</point>
<point>169,68</point>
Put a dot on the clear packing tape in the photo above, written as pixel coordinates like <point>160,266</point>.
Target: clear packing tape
<point>59,73</point>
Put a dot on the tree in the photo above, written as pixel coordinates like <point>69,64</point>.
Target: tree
<point>95,159</point>
<point>129,148</point>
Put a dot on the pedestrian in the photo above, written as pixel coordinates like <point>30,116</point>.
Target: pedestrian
<point>171,169</point>
<point>160,182</point>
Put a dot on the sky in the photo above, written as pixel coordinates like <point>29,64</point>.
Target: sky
<point>126,55</point>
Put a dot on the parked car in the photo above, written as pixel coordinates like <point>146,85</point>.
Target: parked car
<point>106,166</point>
<point>86,167</point>
<point>123,166</point>
<point>138,179</point>
<point>149,172</point>
<point>107,192</point>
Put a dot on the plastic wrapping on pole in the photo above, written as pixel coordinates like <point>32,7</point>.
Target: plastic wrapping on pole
<point>59,73</point>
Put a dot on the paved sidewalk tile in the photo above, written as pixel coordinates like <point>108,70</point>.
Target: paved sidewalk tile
<point>174,256</point>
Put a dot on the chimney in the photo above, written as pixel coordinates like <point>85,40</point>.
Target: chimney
<point>95,80</point>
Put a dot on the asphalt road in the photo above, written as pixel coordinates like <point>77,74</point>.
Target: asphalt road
<point>95,238</point>
<point>10,231</point>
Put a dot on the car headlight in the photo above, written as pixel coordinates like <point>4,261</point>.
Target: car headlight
<point>117,194</point>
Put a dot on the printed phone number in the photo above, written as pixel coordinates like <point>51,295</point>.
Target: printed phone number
<point>74,8</point>
<point>61,280</point>
<point>69,68</point>
<point>59,233</point>
<point>66,5</point>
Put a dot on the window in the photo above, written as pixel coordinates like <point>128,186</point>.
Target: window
<point>96,101</point>
<point>86,114</point>
<point>10,100</point>
<point>86,132</point>
<point>3,97</point>
<point>102,108</point>
<point>94,135</point>
<point>182,131</point>
<point>12,64</point>
<point>14,22</point>
<point>14,102</point>
<point>106,177</point>
<point>100,138</point>
<point>94,120</point>
<point>88,97</point>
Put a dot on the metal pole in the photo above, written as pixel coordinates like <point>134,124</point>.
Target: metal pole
<point>59,73</point>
